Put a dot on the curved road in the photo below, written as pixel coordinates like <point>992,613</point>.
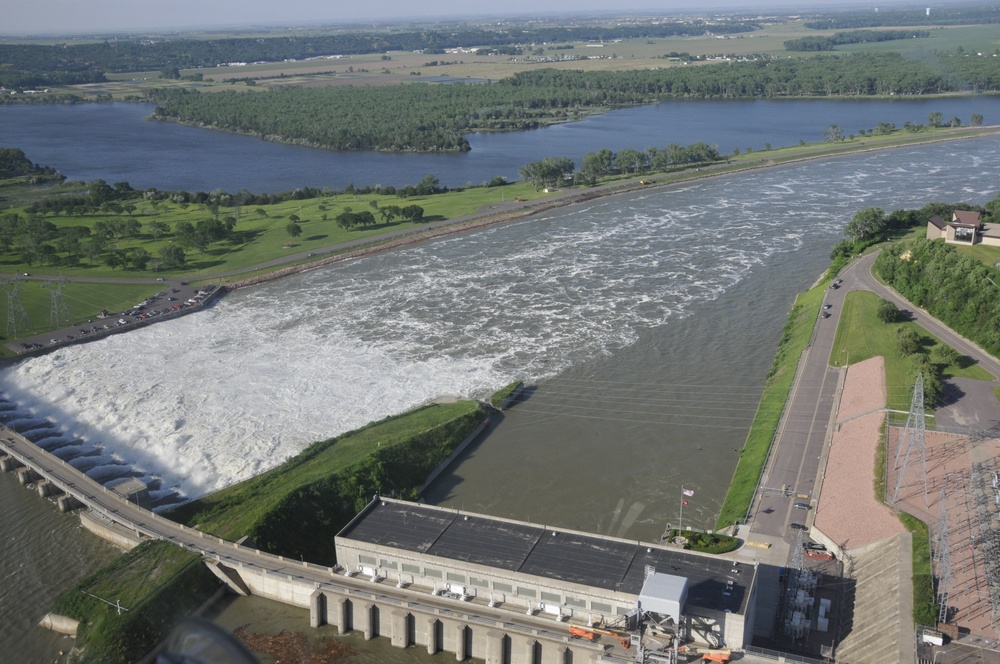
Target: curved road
<point>970,404</point>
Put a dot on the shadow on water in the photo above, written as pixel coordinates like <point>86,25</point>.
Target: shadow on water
<point>449,480</point>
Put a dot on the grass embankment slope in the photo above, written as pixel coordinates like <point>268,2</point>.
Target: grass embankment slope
<point>260,242</point>
<point>297,508</point>
<point>157,584</point>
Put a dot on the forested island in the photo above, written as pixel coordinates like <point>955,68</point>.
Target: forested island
<point>423,117</point>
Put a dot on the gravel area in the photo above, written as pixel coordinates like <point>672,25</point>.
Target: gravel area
<point>950,459</point>
<point>848,512</point>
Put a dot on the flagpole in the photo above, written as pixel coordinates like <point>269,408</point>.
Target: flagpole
<point>680,520</point>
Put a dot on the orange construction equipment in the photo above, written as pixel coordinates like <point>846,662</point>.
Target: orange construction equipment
<point>715,656</point>
<point>590,633</point>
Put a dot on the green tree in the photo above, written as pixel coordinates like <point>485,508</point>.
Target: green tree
<point>977,119</point>
<point>945,356</point>
<point>888,312</point>
<point>629,160</point>
<point>98,191</point>
<point>157,229</point>
<point>428,185</point>
<point>390,212</point>
<point>94,248</point>
<point>548,172</point>
<point>955,121</point>
<point>868,224</point>
<point>833,134</point>
<point>596,165</point>
<point>131,228</point>
<point>907,341</point>
<point>115,258</point>
<point>172,256</point>
<point>293,229</point>
<point>413,213</point>
<point>935,118</point>
<point>138,258</point>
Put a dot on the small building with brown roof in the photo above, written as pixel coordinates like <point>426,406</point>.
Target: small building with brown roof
<point>965,227</point>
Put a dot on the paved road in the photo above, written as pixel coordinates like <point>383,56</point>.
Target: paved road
<point>790,475</point>
<point>792,471</point>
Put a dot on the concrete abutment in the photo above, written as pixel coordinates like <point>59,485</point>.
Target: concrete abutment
<point>411,621</point>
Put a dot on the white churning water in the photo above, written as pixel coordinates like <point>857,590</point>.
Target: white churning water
<point>218,396</point>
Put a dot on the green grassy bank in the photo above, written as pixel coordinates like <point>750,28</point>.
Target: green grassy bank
<point>157,584</point>
<point>794,339</point>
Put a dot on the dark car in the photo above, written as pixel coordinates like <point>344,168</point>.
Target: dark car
<point>797,526</point>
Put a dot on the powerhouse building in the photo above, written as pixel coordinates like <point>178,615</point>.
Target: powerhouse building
<point>570,577</point>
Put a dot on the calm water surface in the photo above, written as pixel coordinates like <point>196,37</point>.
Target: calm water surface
<point>114,142</point>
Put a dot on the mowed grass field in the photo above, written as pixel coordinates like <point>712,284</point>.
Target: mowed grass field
<point>861,335</point>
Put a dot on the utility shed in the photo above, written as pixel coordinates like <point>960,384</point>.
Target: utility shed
<point>664,594</point>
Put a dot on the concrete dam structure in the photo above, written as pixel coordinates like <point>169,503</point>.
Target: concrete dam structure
<point>504,591</point>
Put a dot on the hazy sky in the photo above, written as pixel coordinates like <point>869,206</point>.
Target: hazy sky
<point>19,17</point>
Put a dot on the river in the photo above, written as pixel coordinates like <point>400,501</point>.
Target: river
<point>115,143</point>
<point>646,323</point>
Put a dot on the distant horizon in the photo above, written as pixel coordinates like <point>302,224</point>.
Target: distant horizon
<point>71,18</point>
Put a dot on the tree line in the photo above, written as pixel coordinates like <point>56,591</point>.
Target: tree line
<point>954,287</point>
<point>554,171</point>
<point>819,43</point>
<point>14,164</point>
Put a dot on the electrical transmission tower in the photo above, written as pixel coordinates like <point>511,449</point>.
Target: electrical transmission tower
<point>912,439</point>
<point>941,555</point>
<point>57,312</point>
<point>15,310</point>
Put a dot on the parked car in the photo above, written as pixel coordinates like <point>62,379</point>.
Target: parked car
<point>802,506</point>
<point>797,526</point>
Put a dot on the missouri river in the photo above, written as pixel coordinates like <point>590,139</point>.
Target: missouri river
<point>647,323</point>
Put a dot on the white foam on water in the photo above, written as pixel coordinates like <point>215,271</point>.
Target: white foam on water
<point>215,397</point>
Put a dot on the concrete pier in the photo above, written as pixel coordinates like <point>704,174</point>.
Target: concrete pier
<point>26,476</point>
<point>9,464</point>
<point>401,621</point>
